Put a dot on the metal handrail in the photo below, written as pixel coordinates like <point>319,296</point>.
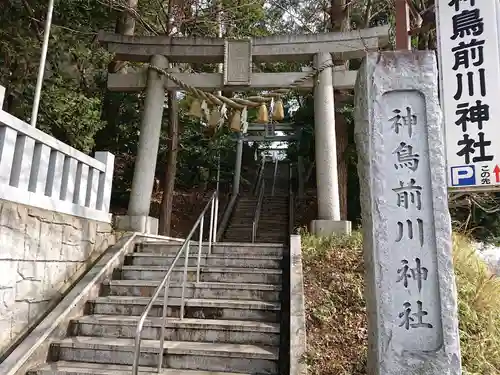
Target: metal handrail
<point>275,174</point>
<point>256,215</point>
<point>260,175</point>
<point>213,203</point>
<point>216,207</point>
<point>225,217</point>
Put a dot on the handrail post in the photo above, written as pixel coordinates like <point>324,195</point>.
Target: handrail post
<point>291,203</point>
<point>225,217</point>
<point>237,166</point>
<point>275,173</point>
<point>255,223</point>
<point>259,175</point>
<point>165,283</point>
<point>137,352</point>
<point>210,234</point>
<point>216,201</point>
<point>163,318</point>
<point>184,279</point>
<point>216,213</point>
<point>200,245</point>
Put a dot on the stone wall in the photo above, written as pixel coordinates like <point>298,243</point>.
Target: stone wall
<point>42,254</point>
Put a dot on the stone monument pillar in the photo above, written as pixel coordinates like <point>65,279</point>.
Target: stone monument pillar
<point>138,218</point>
<point>327,180</point>
<point>411,294</point>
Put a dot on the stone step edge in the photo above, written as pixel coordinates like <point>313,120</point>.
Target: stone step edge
<point>210,256</point>
<point>103,369</point>
<point>200,285</point>
<point>171,347</point>
<point>218,244</point>
<point>205,269</point>
<point>228,325</point>
<point>193,302</point>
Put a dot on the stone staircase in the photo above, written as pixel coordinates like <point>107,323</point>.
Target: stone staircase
<point>273,221</point>
<point>282,180</point>
<point>239,228</point>
<point>231,323</point>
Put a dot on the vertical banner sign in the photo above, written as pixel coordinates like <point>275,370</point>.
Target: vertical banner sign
<point>470,90</point>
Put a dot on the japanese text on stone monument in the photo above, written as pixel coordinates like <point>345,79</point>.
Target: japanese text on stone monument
<point>413,266</point>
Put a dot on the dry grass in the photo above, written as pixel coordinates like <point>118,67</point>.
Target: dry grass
<point>335,307</point>
<point>479,308</point>
<point>336,316</point>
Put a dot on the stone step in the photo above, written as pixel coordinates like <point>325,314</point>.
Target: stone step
<point>268,207</point>
<point>85,368</point>
<point>245,206</point>
<point>247,200</point>
<point>246,212</point>
<point>241,238</point>
<point>269,219</point>
<point>259,311</point>
<point>272,226</point>
<point>149,259</point>
<point>236,238</point>
<point>199,330</point>
<point>220,248</point>
<point>241,220</point>
<point>177,354</point>
<point>207,274</point>
<point>202,290</point>
<point>243,216</point>
<point>264,236</point>
<point>271,237</point>
<point>236,226</point>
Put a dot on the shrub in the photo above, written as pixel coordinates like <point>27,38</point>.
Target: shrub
<point>336,312</point>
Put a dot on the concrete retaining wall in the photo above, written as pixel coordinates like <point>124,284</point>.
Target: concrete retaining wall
<point>42,254</point>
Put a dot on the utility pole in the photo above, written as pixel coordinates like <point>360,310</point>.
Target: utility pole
<point>403,39</point>
<point>43,59</point>
<point>220,32</point>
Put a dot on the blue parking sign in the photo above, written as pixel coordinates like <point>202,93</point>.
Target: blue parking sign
<point>464,175</point>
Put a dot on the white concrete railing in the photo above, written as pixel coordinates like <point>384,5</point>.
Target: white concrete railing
<point>38,170</point>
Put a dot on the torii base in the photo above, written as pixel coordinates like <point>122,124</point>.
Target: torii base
<point>141,224</point>
<point>330,227</point>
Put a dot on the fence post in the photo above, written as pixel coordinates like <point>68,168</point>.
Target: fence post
<point>7,146</point>
<point>105,180</point>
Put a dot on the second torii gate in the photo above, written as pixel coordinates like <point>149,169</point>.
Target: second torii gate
<point>238,56</point>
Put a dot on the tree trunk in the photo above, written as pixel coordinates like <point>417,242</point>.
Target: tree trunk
<point>171,168</point>
<point>125,25</point>
<point>167,199</point>
<point>340,21</point>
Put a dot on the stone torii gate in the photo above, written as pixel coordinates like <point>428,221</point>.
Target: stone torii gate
<point>238,56</point>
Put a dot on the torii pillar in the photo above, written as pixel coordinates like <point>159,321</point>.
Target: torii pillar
<point>137,218</point>
<point>327,181</point>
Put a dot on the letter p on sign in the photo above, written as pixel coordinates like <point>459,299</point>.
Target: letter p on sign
<point>463,176</point>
